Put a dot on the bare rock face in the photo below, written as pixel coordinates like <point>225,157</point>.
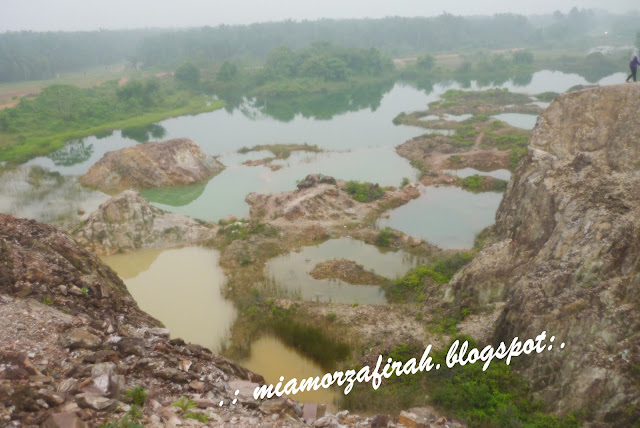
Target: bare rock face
<point>321,200</point>
<point>565,256</point>
<point>128,221</point>
<point>169,163</point>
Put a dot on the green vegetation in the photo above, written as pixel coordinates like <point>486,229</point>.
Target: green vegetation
<point>415,282</point>
<point>63,112</point>
<point>499,97</point>
<point>547,96</point>
<point>481,183</point>
<point>363,192</point>
<point>495,397</point>
<point>47,301</point>
<point>465,136</point>
<point>384,237</point>
<point>185,404</point>
<point>242,229</point>
<point>137,395</point>
<point>30,55</point>
<point>198,416</point>
<point>266,317</point>
<point>405,182</point>
<point>187,75</point>
<point>131,419</point>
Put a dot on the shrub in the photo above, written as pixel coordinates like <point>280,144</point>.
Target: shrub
<point>137,395</point>
<point>363,192</point>
<point>384,237</point>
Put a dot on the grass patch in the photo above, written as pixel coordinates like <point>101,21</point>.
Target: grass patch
<point>61,113</point>
<point>137,395</point>
<point>499,97</point>
<point>482,183</point>
<point>384,237</point>
<point>414,283</point>
<point>547,96</point>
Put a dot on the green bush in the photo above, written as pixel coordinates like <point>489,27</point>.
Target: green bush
<point>384,237</point>
<point>137,395</point>
<point>363,192</point>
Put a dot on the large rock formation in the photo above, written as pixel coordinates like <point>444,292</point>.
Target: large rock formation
<point>166,164</point>
<point>321,200</point>
<point>565,256</point>
<point>128,221</point>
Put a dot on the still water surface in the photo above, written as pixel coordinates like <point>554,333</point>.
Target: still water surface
<point>285,361</point>
<point>180,287</point>
<point>289,273</point>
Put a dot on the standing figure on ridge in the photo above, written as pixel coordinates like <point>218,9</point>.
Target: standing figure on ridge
<point>633,65</point>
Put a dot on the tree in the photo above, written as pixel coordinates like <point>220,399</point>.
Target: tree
<point>523,57</point>
<point>227,72</point>
<point>426,62</point>
<point>188,74</point>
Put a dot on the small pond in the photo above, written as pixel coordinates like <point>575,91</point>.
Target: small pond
<point>289,273</point>
<point>180,287</point>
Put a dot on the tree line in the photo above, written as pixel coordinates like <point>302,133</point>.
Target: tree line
<point>32,56</point>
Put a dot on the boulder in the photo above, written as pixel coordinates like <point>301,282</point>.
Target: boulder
<point>128,221</point>
<point>169,163</point>
<point>79,338</point>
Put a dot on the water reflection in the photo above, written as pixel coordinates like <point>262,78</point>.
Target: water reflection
<point>289,273</point>
<point>284,361</point>
<point>180,287</point>
<point>145,133</point>
<point>72,153</point>
<point>174,196</point>
<point>448,217</point>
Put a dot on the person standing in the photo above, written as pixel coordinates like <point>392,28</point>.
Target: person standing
<point>633,65</point>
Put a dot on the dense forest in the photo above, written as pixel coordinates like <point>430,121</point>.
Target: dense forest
<point>31,56</point>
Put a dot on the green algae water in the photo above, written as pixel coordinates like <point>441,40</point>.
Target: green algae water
<point>180,287</point>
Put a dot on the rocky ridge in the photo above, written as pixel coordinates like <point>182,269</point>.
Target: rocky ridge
<point>169,163</point>
<point>564,256</point>
<point>320,200</point>
<point>128,222</point>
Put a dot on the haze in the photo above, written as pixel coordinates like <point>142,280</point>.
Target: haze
<point>73,15</point>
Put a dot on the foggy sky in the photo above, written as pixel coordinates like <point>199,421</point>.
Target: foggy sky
<point>70,15</point>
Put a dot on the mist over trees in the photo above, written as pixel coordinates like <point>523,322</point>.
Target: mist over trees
<point>33,56</point>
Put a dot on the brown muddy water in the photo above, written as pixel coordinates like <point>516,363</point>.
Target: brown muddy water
<point>270,357</point>
<point>180,287</point>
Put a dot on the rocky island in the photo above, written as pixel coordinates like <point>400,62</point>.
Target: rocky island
<point>169,163</point>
